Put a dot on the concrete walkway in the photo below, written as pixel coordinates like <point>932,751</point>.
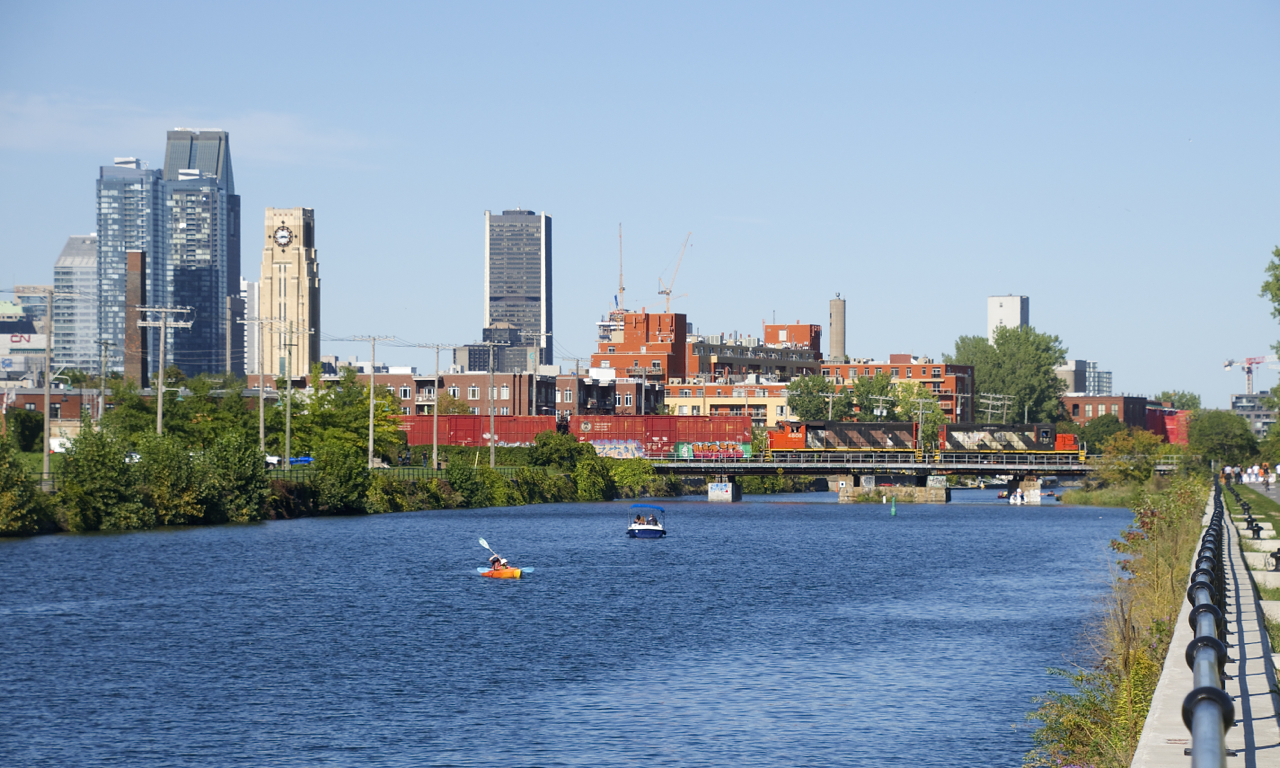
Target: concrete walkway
<point>1256,735</point>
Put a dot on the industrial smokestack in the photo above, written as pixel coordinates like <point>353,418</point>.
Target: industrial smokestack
<point>837,331</point>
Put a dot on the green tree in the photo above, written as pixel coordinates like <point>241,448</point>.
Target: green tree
<point>1129,456</point>
<point>1271,288</point>
<point>24,508</point>
<point>1019,364</point>
<point>342,478</point>
<point>867,389</point>
<point>593,480</point>
<point>1221,436</point>
<point>917,402</point>
<point>813,398</point>
<point>131,416</point>
<point>1183,401</point>
<point>169,480</point>
<point>214,406</point>
<point>466,482</point>
<point>555,449</point>
<point>99,488</point>
<point>1097,431</point>
<point>27,428</point>
<point>236,478</point>
<point>450,405</point>
<point>339,412</point>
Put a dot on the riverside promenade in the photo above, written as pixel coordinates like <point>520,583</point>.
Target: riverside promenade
<point>1255,737</point>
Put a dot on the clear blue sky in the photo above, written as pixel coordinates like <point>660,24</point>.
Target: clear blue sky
<point>1115,162</point>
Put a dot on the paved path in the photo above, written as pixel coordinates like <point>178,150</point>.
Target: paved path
<point>1256,735</point>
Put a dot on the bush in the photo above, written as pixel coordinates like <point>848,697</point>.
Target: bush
<point>593,480</point>
<point>98,489</point>
<point>465,481</point>
<point>237,480</point>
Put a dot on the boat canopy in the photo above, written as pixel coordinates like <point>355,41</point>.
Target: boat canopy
<point>649,506</point>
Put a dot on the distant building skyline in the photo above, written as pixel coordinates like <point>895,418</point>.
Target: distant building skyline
<point>129,206</point>
<point>517,276</point>
<point>75,305</point>
<point>289,291</point>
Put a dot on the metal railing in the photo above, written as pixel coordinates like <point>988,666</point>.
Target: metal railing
<point>302,474</point>
<point>1208,711</point>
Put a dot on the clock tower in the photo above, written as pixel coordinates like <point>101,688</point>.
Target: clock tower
<point>289,293</point>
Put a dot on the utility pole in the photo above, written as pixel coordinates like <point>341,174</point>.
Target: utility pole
<point>493,453</point>
<point>991,402</point>
<point>48,375</point>
<point>880,409</point>
<point>163,324</point>
<point>373,366</point>
<point>262,390</point>
<point>435,409</point>
<point>538,357</point>
<point>920,403</point>
<point>102,375</point>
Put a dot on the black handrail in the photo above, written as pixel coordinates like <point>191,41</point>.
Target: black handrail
<point>1208,711</point>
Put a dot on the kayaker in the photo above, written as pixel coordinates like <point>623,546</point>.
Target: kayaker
<point>497,563</point>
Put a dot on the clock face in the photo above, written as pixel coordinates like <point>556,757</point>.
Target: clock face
<point>283,236</point>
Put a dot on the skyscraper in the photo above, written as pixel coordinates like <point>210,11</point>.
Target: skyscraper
<point>75,305</point>
<point>517,276</point>
<point>129,207</point>
<point>200,232</point>
<point>289,291</point>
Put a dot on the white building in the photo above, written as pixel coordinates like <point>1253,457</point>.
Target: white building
<point>1011,311</point>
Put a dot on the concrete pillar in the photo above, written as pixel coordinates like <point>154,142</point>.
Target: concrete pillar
<point>136,361</point>
<point>724,489</point>
<point>1030,487</point>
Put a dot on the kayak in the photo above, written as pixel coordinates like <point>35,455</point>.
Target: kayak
<point>502,573</point>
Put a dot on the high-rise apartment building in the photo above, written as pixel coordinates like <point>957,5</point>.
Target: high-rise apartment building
<point>200,237</point>
<point>129,214</point>
<point>249,331</point>
<point>289,291</point>
<point>517,276</point>
<point>1011,311</point>
<point>75,305</point>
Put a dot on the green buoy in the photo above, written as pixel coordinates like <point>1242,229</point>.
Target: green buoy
<point>893,507</point>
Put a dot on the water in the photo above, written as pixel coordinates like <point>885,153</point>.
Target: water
<point>778,631</point>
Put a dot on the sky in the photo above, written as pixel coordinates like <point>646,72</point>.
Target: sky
<point>1114,162</point>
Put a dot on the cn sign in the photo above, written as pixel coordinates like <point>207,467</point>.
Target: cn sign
<point>20,338</point>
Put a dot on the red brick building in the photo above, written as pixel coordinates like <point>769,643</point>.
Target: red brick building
<point>951,384</point>
<point>1084,408</point>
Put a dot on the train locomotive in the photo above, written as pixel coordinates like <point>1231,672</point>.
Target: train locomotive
<point>878,442</point>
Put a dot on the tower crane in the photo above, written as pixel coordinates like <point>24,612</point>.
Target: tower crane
<point>665,290</point>
<point>1248,365</point>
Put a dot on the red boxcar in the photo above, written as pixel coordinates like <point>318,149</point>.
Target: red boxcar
<point>470,431</point>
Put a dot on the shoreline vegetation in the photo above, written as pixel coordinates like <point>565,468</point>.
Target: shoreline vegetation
<point>1096,719</point>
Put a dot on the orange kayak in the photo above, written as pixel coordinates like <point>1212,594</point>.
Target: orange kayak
<point>501,573</point>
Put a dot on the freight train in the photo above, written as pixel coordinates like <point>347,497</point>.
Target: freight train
<point>621,437</point>
<point>845,441</point>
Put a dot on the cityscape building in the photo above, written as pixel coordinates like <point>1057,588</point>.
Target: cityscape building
<point>75,305</point>
<point>289,291</point>
<point>249,295</point>
<point>837,320</point>
<point>1011,311</point>
<point>129,201</point>
<point>1252,408</point>
<point>517,276</point>
<point>1084,378</point>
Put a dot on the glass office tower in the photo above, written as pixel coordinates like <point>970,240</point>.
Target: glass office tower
<point>129,207</point>
<point>75,305</point>
<point>517,276</point>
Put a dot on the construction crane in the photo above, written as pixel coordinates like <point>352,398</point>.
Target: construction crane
<point>1248,365</point>
<point>665,289</point>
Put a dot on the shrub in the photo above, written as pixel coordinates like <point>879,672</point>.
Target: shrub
<point>27,428</point>
<point>593,481</point>
<point>342,478</point>
<point>98,485</point>
<point>237,480</point>
<point>24,508</point>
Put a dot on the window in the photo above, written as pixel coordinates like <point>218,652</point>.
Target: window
<point>30,406</point>
<point>604,364</point>
<point>682,410</point>
<point>686,393</point>
<point>55,410</point>
<point>657,364</point>
<point>504,411</point>
<point>628,399</point>
<point>700,392</point>
<point>895,373</point>
<point>892,372</point>
<point>404,410</point>
<point>473,392</point>
<point>879,371</point>
<point>475,411</point>
<point>612,350</point>
<point>1075,409</point>
<point>405,393</point>
<point>1115,409</point>
<point>697,410</point>
<point>617,399</point>
<point>506,392</point>
<point>936,371</point>
<point>718,393</point>
<point>454,391</point>
<point>558,395</point>
<point>781,411</point>
<point>493,393</point>
<point>1088,411</point>
<point>826,371</point>
<point>568,395</point>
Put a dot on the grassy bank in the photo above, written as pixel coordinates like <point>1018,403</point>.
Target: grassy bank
<point>1098,719</point>
<point>1124,496</point>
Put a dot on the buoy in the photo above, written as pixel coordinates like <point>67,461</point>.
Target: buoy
<point>893,507</point>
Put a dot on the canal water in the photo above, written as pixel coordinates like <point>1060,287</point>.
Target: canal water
<point>783,630</point>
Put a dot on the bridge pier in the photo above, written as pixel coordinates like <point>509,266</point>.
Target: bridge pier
<point>724,488</point>
<point>1030,487</point>
<point>862,488</point>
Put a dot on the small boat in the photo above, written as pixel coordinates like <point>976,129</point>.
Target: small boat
<point>647,526</point>
<point>501,573</point>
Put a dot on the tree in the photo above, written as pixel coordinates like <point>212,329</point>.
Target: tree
<point>1271,289</point>
<point>1221,436</point>
<point>26,427</point>
<point>1099,430</point>
<point>447,405</point>
<point>1129,456</point>
<point>1019,364</point>
<point>99,485</point>
<point>24,509</point>
<point>812,398</point>
<point>554,449</point>
<point>917,402</point>
<point>236,474</point>
<point>1183,401</point>
<point>867,389</point>
<point>342,477</point>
